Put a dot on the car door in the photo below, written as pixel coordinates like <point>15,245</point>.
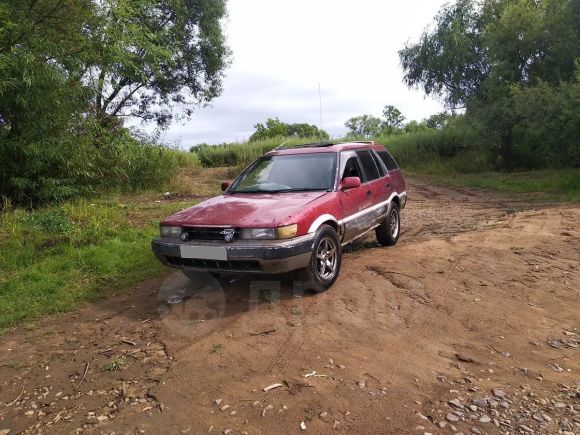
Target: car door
<point>396,183</point>
<point>377,182</point>
<point>354,202</point>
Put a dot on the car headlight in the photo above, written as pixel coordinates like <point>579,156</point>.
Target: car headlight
<point>286,232</point>
<point>258,233</point>
<point>168,231</point>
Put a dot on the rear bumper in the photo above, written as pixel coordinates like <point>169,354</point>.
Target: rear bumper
<point>243,256</point>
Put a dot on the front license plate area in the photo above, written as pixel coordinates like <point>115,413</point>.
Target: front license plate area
<point>204,252</point>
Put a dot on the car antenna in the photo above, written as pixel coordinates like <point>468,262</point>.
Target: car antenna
<point>320,107</point>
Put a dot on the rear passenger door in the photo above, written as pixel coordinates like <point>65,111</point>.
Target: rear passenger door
<point>396,181</point>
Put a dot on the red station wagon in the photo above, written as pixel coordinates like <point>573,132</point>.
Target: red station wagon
<point>293,208</point>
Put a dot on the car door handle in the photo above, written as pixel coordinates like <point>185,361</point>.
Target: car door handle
<point>388,185</point>
<point>369,193</point>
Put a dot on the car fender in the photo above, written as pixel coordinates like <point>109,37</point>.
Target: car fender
<point>320,220</point>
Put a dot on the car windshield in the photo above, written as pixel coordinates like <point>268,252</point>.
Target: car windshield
<point>288,173</point>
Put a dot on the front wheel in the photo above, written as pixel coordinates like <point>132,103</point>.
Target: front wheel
<point>325,261</point>
<point>389,230</point>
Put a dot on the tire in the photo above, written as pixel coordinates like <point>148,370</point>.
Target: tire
<point>390,229</point>
<point>325,261</point>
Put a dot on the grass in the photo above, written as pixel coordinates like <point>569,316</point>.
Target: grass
<point>116,364</point>
<point>17,365</point>
<point>242,153</point>
<point>215,348</point>
<point>55,258</point>
<point>553,184</point>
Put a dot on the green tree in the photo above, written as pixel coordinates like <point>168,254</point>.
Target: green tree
<point>415,127</point>
<point>153,56</point>
<point>393,119</point>
<point>364,126</point>
<point>438,121</point>
<point>276,128</point>
<point>479,50</point>
<point>41,55</point>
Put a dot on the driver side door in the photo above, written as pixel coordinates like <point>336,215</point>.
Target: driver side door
<point>354,201</point>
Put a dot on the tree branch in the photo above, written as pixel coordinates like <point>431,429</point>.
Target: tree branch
<point>124,100</point>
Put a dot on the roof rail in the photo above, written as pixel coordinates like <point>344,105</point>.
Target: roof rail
<point>367,142</point>
<point>307,145</point>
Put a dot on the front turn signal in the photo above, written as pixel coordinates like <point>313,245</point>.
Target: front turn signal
<point>287,232</point>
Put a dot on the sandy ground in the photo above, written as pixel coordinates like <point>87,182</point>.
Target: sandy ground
<point>470,324</point>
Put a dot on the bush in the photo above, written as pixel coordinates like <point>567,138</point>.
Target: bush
<point>84,161</point>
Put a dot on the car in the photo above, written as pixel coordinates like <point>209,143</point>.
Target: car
<point>293,209</point>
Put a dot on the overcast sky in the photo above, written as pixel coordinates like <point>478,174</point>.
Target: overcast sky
<point>282,50</point>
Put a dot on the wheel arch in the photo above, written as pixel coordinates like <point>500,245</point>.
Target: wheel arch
<point>325,219</point>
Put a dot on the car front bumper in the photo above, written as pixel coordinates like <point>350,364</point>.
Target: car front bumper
<point>243,256</point>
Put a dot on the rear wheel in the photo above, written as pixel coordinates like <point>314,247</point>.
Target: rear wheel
<point>325,261</point>
<point>389,230</point>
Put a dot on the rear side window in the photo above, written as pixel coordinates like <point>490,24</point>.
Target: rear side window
<point>388,160</point>
<point>368,164</point>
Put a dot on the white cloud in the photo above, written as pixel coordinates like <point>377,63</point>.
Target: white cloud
<point>283,49</point>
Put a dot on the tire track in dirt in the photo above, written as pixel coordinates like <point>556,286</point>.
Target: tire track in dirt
<point>296,338</point>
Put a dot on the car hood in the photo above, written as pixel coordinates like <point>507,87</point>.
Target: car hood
<point>245,210</point>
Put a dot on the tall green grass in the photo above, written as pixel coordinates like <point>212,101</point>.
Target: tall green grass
<point>52,259</point>
<point>242,153</point>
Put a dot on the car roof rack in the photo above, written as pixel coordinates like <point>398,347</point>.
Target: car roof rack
<point>366,142</point>
<point>306,145</point>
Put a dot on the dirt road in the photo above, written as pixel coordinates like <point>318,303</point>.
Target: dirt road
<point>470,324</point>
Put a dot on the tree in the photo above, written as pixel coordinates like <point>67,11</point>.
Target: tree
<point>364,126</point>
<point>478,50</point>
<point>451,60</point>
<point>393,119</point>
<point>41,55</point>
<point>153,56</point>
<point>276,128</point>
<point>415,127</point>
<point>438,121</point>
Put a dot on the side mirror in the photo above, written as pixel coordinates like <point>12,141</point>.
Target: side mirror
<point>350,183</point>
<point>226,184</point>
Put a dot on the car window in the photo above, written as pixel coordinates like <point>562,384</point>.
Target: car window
<point>388,159</point>
<point>352,169</point>
<point>287,173</point>
<point>382,171</point>
<point>368,164</point>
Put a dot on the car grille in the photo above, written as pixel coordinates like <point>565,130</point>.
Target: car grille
<point>226,266</point>
<point>208,233</point>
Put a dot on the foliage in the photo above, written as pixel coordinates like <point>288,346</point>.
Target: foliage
<point>61,168</point>
<point>243,153</point>
<point>364,126</point>
<point>154,55</point>
<point>71,70</point>
<point>393,119</point>
<point>274,128</point>
<point>498,59</point>
<point>369,126</point>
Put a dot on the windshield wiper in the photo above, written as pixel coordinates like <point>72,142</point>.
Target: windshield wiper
<point>298,190</point>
